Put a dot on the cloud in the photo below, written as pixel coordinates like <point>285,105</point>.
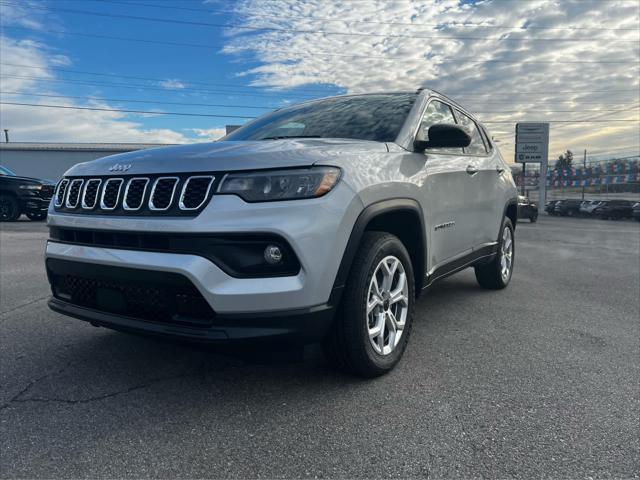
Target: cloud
<point>488,70</point>
<point>172,84</point>
<point>210,134</point>
<point>33,124</point>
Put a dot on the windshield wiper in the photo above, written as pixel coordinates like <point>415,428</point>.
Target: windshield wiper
<point>280,137</point>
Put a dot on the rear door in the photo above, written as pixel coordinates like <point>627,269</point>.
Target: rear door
<point>486,205</point>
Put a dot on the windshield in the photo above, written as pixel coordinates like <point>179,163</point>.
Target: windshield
<point>364,117</point>
<point>6,171</point>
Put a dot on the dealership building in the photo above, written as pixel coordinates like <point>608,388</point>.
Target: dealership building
<point>51,160</point>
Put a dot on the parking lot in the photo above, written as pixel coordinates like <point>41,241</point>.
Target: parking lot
<point>537,380</point>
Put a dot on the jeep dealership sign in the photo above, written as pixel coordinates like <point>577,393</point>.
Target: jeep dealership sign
<point>532,142</point>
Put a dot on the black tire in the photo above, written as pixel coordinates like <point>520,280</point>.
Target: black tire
<point>347,346</point>
<point>9,209</point>
<point>489,275</point>
<point>36,217</point>
<point>533,219</point>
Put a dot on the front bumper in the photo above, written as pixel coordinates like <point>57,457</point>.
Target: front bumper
<point>35,204</point>
<point>299,305</point>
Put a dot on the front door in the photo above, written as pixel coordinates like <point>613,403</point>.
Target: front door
<point>450,188</point>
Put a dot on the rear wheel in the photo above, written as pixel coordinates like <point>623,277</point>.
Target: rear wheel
<point>372,327</point>
<point>496,274</point>
<point>533,218</point>
<point>9,209</point>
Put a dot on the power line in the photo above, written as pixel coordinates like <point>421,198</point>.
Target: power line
<point>315,54</point>
<point>146,112</point>
<point>295,30</point>
<point>189,104</point>
<point>148,87</point>
<point>134,77</point>
<point>367,22</point>
<point>128,100</point>
<point>511,122</point>
<point>127,85</point>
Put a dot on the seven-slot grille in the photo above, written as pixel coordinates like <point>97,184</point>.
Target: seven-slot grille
<point>180,195</point>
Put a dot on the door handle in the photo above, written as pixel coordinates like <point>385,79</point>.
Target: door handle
<point>472,169</point>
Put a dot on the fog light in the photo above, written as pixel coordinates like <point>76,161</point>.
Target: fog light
<point>273,254</point>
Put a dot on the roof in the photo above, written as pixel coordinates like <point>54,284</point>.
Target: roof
<point>80,147</point>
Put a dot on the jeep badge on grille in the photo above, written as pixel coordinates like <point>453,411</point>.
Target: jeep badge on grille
<point>119,167</point>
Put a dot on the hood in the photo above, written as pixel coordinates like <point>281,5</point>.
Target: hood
<point>229,156</point>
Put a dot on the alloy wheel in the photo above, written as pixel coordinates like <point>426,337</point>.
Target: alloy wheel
<point>387,305</point>
<point>506,254</point>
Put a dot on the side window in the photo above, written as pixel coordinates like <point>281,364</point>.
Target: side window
<point>477,144</point>
<point>436,112</point>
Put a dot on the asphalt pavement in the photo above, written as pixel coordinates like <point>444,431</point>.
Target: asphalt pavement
<point>539,380</point>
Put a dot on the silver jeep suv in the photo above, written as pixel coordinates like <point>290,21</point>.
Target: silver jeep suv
<point>322,221</point>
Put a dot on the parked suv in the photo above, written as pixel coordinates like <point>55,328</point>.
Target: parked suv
<point>568,208</point>
<point>615,209</point>
<point>527,209</point>
<point>19,195</point>
<point>321,221</point>
<point>588,206</point>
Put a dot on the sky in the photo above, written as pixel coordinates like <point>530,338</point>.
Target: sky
<point>575,63</point>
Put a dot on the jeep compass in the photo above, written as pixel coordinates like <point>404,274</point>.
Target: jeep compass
<point>319,222</point>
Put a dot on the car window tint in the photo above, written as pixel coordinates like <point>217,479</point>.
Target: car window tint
<point>476,147</point>
<point>436,112</point>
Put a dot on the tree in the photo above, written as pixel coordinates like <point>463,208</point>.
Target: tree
<point>565,161</point>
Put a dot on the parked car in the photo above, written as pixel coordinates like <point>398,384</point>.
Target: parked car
<point>568,208</point>
<point>550,207</point>
<point>636,211</point>
<point>19,195</point>
<point>588,206</point>
<point>527,209</point>
<point>352,204</point>
<point>615,209</point>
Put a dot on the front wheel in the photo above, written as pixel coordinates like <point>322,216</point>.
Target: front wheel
<point>496,274</point>
<point>533,218</point>
<point>373,323</point>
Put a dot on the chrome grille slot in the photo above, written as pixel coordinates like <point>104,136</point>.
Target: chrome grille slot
<point>111,193</point>
<point>90,193</point>
<point>62,189</point>
<point>162,193</point>
<point>74,193</point>
<point>134,193</point>
<point>195,192</point>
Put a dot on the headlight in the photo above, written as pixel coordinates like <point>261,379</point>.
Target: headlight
<point>31,187</point>
<point>269,185</point>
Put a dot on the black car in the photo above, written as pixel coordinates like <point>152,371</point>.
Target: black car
<point>615,209</point>
<point>568,208</point>
<point>636,211</point>
<point>550,207</point>
<point>527,209</point>
<point>26,195</point>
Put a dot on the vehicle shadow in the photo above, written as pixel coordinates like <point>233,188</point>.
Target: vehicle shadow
<point>103,364</point>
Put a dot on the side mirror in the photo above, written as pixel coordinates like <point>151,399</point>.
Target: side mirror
<point>444,135</point>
